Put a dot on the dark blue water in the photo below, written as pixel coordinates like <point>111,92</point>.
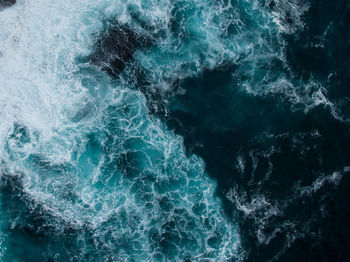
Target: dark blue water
<point>283,172</point>
<point>175,130</point>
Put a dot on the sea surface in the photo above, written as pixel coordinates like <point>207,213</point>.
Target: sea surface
<point>174,130</point>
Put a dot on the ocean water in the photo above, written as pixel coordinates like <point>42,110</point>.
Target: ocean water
<point>174,130</point>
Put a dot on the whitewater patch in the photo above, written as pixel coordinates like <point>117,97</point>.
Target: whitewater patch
<point>85,164</point>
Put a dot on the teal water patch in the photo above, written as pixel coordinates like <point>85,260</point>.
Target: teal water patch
<point>248,36</point>
<point>129,193</point>
<point>87,173</point>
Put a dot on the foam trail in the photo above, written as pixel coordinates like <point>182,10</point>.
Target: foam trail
<point>246,34</point>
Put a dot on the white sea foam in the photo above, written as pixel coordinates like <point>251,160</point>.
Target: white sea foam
<point>288,14</point>
<point>89,153</point>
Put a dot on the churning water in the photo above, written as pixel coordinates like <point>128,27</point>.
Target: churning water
<point>174,130</point>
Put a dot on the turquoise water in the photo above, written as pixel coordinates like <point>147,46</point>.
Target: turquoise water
<point>88,174</point>
<point>166,130</point>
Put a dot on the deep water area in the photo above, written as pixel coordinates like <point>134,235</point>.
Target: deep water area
<point>174,130</point>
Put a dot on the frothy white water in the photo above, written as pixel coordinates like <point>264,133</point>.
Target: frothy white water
<point>84,147</point>
<point>38,89</point>
<point>288,14</point>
